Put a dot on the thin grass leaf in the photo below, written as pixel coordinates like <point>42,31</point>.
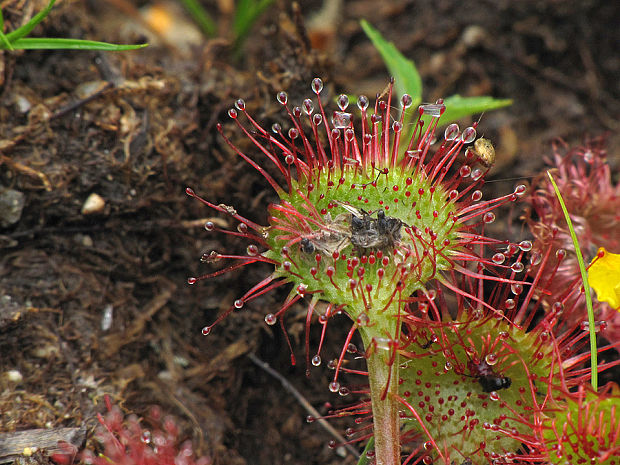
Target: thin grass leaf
<point>584,280</point>
<point>33,43</point>
<point>364,459</point>
<point>201,17</point>
<point>4,42</point>
<point>246,14</point>
<point>404,71</point>
<point>458,107</point>
<point>24,30</point>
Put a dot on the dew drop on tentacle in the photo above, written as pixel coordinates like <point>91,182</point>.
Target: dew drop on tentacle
<point>520,189</point>
<point>491,359</point>
<point>334,386</point>
<point>240,104</point>
<point>517,267</point>
<point>206,330</point>
<point>317,85</point>
<point>343,101</point>
<point>498,258</point>
<point>316,360</point>
<point>238,303</point>
<point>510,304</point>
<point>191,280</point>
<point>362,102</point>
<point>232,113</point>
<point>535,258</point>
<point>476,174</point>
<point>341,120</point>
<point>308,106</point>
<point>434,110</point>
<point>476,195</point>
<point>598,326</point>
<point>525,246</point>
<point>282,97</point>
<point>465,171</point>
<point>468,136</point>
<point>451,132</point>
<point>488,217</point>
<point>363,319</point>
<point>271,319</point>
<point>406,101</point>
<point>516,288</point>
<point>252,250</point>
<point>209,226</point>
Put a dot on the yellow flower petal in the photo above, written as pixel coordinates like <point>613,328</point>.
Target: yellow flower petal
<point>604,277</point>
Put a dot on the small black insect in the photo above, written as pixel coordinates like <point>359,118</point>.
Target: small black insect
<point>488,379</point>
<point>306,245</point>
<point>368,233</point>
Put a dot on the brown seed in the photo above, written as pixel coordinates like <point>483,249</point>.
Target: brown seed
<point>485,151</point>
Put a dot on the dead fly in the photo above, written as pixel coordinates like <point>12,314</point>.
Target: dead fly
<point>368,233</point>
<point>488,379</point>
<point>333,237</point>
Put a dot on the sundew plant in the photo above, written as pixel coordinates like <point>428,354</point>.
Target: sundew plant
<point>461,367</point>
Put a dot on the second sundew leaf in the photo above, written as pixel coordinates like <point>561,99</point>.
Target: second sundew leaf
<point>407,78</point>
<point>467,414</point>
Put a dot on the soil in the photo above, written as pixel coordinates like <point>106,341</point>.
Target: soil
<point>129,131</point>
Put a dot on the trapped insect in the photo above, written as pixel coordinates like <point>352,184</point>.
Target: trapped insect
<point>368,233</point>
<point>484,150</point>
<point>488,379</point>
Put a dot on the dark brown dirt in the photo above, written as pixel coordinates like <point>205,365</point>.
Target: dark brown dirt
<point>136,128</point>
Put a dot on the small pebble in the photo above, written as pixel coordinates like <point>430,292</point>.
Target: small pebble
<point>11,206</point>
<point>93,204</point>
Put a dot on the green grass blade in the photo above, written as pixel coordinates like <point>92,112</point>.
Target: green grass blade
<point>364,459</point>
<point>70,44</point>
<point>4,42</point>
<point>586,286</point>
<point>24,30</point>
<point>201,17</point>
<point>458,107</point>
<point>246,14</point>
<point>404,71</point>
